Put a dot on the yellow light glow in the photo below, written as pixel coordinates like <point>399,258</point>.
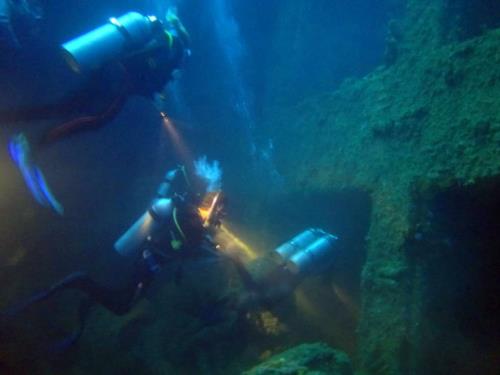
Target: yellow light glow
<point>327,315</point>
<point>305,305</point>
<point>233,245</point>
<point>203,212</point>
<point>206,213</point>
<point>346,300</point>
<point>315,312</point>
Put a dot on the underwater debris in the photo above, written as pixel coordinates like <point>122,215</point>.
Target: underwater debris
<point>267,322</point>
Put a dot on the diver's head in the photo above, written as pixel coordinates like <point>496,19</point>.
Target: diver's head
<point>176,27</point>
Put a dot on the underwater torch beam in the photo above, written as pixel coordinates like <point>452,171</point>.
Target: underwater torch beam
<point>181,149</point>
<point>234,246</point>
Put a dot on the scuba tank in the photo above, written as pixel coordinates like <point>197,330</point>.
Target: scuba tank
<point>298,242</point>
<point>152,222</point>
<point>316,257</point>
<point>275,275</point>
<point>145,228</point>
<point>118,38</point>
<point>311,251</point>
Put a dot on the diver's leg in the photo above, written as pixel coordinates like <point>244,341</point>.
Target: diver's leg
<point>19,115</point>
<point>61,346</point>
<point>119,301</point>
<point>71,104</point>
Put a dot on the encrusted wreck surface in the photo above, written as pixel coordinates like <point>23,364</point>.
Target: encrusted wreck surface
<point>426,122</point>
<point>317,358</point>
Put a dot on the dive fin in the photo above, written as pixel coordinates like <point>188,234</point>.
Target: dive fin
<point>50,199</point>
<point>33,177</point>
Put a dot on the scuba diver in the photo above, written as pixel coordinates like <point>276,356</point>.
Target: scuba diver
<point>178,225</point>
<point>130,55</point>
<point>183,224</point>
<point>272,277</point>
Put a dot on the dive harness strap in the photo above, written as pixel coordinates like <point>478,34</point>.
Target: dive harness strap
<point>170,39</point>
<point>114,21</point>
<point>157,217</point>
<point>175,243</point>
<point>176,222</point>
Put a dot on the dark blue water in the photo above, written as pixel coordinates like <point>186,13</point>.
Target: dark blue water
<point>247,60</point>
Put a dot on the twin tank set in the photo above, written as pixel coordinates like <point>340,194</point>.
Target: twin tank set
<point>311,251</point>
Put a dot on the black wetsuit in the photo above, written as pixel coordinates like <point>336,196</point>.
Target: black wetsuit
<point>154,255</point>
<point>104,92</point>
<point>117,300</point>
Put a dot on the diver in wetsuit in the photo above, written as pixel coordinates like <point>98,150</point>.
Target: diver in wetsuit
<point>171,229</point>
<point>131,55</point>
<point>180,225</point>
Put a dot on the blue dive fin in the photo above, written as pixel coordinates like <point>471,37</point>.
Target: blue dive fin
<point>50,199</point>
<point>20,153</point>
